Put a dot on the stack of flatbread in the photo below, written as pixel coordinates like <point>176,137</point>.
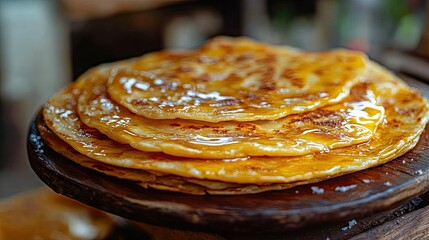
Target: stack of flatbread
<point>234,117</point>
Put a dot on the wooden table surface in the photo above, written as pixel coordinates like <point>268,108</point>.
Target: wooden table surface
<point>409,221</point>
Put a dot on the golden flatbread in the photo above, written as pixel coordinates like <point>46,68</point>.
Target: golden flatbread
<point>343,124</point>
<point>235,79</point>
<point>156,180</point>
<point>406,116</point>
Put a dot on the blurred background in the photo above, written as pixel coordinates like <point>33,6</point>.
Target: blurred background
<point>44,44</point>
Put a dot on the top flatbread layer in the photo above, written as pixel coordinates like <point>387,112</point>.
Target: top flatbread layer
<point>235,79</point>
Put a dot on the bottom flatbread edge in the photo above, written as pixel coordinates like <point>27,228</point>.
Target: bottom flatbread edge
<point>156,180</point>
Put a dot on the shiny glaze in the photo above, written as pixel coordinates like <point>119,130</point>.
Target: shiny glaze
<point>156,180</point>
<point>235,79</point>
<point>406,115</point>
<point>350,122</point>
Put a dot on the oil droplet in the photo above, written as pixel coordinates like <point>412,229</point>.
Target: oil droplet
<point>158,81</point>
<point>66,114</point>
<point>212,141</point>
<point>351,224</point>
<point>317,190</point>
<point>212,95</point>
<point>388,184</point>
<point>128,83</point>
<point>366,181</point>
<point>142,86</point>
<point>419,172</point>
<point>345,188</point>
<point>38,144</point>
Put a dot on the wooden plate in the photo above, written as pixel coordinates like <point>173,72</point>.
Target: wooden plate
<point>363,193</point>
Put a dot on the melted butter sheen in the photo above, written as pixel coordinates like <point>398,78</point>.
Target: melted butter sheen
<point>158,180</point>
<point>350,122</point>
<point>235,79</point>
<point>406,114</point>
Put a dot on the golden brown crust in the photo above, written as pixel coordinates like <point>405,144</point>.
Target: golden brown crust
<point>235,79</point>
<point>350,122</point>
<point>405,120</point>
<point>156,180</point>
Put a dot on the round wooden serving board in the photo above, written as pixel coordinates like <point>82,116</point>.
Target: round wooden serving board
<point>375,190</point>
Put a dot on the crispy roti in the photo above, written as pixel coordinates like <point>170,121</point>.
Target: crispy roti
<point>343,124</point>
<point>156,180</point>
<point>235,79</point>
<point>406,114</point>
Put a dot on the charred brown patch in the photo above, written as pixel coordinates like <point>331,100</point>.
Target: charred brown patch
<point>171,74</point>
<point>141,102</point>
<point>93,132</point>
<point>269,58</point>
<point>226,102</point>
<point>410,111</point>
<point>175,125</point>
<point>244,57</point>
<point>290,75</point>
<point>195,127</point>
<point>254,168</point>
<point>48,121</point>
<point>252,97</point>
<point>320,71</point>
<point>311,97</point>
<point>185,69</point>
<point>268,82</point>
<point>335,84</point>
<point>174,55</point>
<point>394,123</point>
<point>204,77</point>
<point>246,126</point>
<point>220,131</point>
<point>407,98</point>
<point>320,118</point>
<point>233,78</point>
<point>328,123</point>
<point>268,87</point>
<point>358,91</point>
<point>102,168</point>
<point>349,68</point>
<point>227,48</point>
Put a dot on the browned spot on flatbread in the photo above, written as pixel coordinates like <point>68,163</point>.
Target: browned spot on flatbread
<point>321,118</point>
<point>289,75</point>
<point>267,80</point>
